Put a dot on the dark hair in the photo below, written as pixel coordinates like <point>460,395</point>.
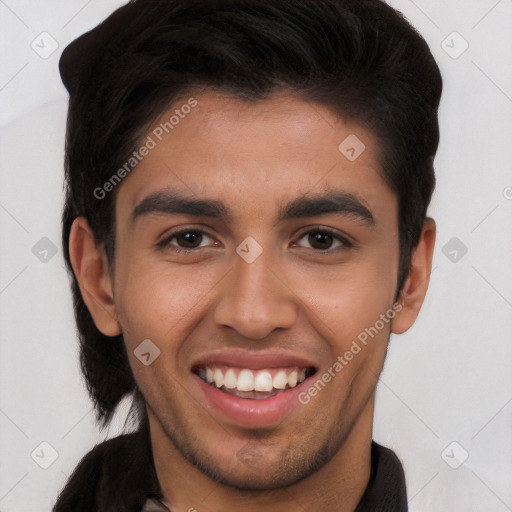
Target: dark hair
<point>361,58</point>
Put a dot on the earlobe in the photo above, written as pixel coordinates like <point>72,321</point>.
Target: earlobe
<point>416,284</point>
<point>91,269</point>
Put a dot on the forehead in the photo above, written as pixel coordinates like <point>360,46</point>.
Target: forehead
<point>255,155</point>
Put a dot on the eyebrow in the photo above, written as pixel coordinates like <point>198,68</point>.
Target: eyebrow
<point>332,202</point>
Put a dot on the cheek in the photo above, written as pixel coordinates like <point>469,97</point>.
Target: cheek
<point>349,300</point>
<point>157,300</point>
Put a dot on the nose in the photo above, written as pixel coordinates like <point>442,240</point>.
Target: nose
<point>254,301</point>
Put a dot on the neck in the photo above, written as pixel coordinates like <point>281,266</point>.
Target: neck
<point>337,487</point>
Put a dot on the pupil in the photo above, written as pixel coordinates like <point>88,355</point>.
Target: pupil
<point>320,240</point>
<point>190,239</point>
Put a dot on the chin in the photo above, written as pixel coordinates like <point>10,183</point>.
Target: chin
<point>255,478</point>
<point>249,471</point>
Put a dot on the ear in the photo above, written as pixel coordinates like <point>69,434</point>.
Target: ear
<point>416,284</point>
<point>91,269</point>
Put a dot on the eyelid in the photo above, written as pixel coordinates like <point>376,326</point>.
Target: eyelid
<point>344,239</point>
<point>165,240</point>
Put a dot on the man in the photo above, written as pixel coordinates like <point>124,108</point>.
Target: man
<point>245,222</point>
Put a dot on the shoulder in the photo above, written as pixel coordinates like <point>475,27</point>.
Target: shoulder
<point>115,475</point>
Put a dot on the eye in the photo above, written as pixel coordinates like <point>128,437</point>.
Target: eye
<point>318,239</point>
<point>187,239</point>
<point>324,239</point>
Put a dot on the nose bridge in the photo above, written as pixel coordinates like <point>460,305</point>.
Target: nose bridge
<point>253,300</point>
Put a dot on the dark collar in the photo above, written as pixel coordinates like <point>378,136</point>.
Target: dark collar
<point>386,490</point>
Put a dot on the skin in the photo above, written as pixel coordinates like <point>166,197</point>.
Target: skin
<point>255,157</point>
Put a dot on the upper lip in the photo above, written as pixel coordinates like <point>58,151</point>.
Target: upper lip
<point>252,360</point>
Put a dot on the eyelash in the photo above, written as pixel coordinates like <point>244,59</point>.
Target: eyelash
<point>345,242</point>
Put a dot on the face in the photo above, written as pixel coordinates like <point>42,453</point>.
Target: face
<point>253,254</point>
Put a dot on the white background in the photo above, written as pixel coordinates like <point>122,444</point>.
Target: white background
<point>448,379</point>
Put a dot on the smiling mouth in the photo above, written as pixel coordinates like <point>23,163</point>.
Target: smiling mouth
<point>253,384</point>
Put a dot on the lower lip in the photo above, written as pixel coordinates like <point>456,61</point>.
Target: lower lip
<point>266,412</point>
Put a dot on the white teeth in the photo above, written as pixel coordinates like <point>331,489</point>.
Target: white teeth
<point>218,377</point>
<point>245,381</point>
<point>253,380</point>
<point>292,379</point>
<point>230,379</point>
<point>280,380</point>
<point>263,381</point>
